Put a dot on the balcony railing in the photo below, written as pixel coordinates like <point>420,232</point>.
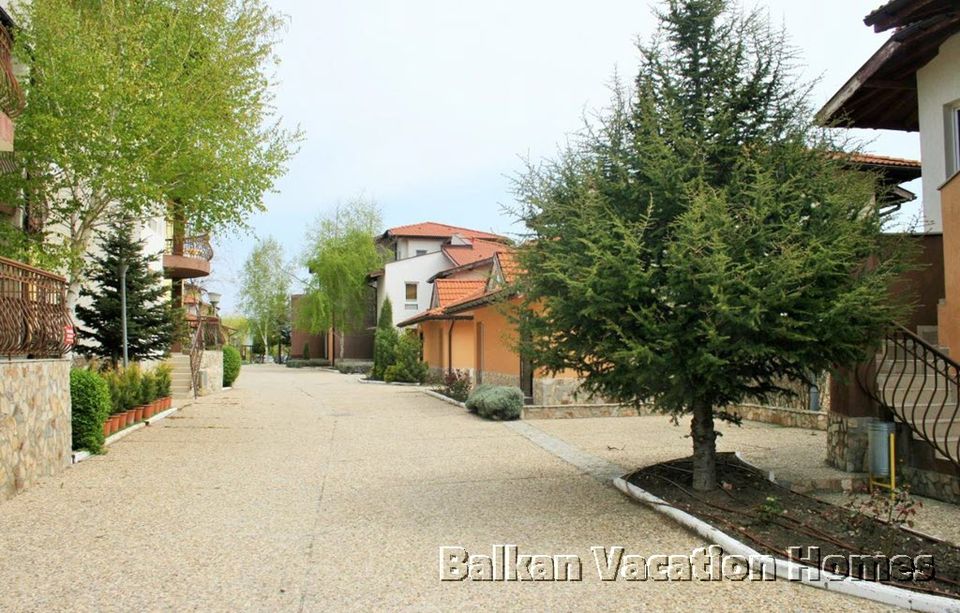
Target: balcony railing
<point>191,247</point>
<point>34,319</point>
<point>11,95</point>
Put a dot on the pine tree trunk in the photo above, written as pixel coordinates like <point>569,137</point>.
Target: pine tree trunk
<point>704,447</point>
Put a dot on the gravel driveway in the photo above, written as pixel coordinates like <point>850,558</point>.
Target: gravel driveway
<point>305,490</point>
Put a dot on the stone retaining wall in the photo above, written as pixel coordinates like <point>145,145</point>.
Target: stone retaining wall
<point>847,442</point>
<point>782,416</point>
<point>931,484</point>
<point>35,432</point>
<point>211,372</point>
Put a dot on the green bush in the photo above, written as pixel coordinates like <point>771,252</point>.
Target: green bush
<point>148,388</point>
<point>311,363</point>
<point>164,375</point>
<point>408,368</point>
<point>385,342</point>
<point>231,365</point>
<point>90,406</point>
<point>130,387</point>
<point>114,382</point>
<point>355,368</point>
<point>496,402</point>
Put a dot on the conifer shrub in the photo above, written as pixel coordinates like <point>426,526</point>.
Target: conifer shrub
<point>408,367</point>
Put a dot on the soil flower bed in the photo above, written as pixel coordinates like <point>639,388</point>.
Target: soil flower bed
<point>776,521</point>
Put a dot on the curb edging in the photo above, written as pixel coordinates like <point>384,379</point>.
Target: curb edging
<point>877,592</point>
<point>446,399</point>
<point>79,456</point>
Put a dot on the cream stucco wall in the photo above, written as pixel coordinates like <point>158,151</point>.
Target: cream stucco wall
<point>938,85</point>
<point>410,270</point>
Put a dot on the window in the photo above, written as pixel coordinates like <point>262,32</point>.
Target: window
<point>421,252</point>
<point>410,296</point>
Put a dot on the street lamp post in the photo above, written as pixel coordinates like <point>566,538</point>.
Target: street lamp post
<point>123,311</point>
<point>214,301</point>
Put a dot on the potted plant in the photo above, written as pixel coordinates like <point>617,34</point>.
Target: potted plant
<point>148,394</point>
<point>115,384</point>
<point>131,393</point>
<point>164,381</point>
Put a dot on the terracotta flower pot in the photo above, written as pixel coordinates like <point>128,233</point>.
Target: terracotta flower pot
<point>106,427</point>
<point>131,416</point>
<point>138,413</point>
<point>167,402</point>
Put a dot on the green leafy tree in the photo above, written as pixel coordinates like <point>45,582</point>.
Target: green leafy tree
<point>341,254</point>
<point>264,293</point>
<point>149,316</point>
<point>702,243</point>
<point>140,108</point>
<point>384,342</point>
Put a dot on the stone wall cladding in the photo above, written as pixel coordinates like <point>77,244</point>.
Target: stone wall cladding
<point>572,411</point>
<point>782,416</point>
<point>551,392</point>
<point>211,372</point>
<point>847,442</point>
<point>931,484</point>
<point>496,378</point>
<point>35,433</point>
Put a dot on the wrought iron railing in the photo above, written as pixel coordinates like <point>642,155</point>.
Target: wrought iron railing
<point>920,385</point>
<point>34,319</point>
<point>190,246</point>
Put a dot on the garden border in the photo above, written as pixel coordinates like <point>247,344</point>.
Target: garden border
<point>79,456</point>
<point>877,592</point>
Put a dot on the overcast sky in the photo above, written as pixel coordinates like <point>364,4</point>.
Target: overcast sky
<point>429,106</point>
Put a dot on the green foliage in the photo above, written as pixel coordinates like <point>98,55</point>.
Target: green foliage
<point>149,318</point>
<point>90,407</point>
<point>384,342</point>
<point>703,242</point>
<point>341,254</point>
<point>455,385</point>
<point>311,363</point>
<point>148,388</point>
<point>768,510</point>
<point>354,367</point>
<point>130,387</point>
<point>496,402</point>
<point>231,365</point>
<point>264,293</point>
<point>408,368</point>
<point>135,104</point>
<point>164,376</point>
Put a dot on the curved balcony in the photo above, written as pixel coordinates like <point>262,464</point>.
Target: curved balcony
<point>188,257</point>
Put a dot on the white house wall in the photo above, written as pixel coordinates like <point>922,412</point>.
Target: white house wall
<point>408,247</point>
<point>938,86</point>
<point>410,270</point>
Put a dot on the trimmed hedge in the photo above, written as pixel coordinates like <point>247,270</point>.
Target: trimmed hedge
<point>314,362</point>
<point>231,365</point>
<point>90,406</point>
<point>355,368</point>
<point>496,402</point>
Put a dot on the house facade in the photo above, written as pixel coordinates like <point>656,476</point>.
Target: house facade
<point>470,327</point>
<point>912,84</point>
<point>417,252</point>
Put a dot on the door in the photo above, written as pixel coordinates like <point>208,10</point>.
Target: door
<point>526,380</point>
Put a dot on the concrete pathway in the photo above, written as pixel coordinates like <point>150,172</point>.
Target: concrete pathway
<point>305,490</point>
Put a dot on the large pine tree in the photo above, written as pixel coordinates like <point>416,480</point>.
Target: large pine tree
<point>702,243</point>
<point>149,317</point>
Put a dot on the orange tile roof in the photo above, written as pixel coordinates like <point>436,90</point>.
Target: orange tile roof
<point>440,230</point>
<point>508,265</point>
<point>883,160</point>
<point>450,291</point>
<point>468,254</point>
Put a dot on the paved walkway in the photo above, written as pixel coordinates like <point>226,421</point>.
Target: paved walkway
<point>305,490</point>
